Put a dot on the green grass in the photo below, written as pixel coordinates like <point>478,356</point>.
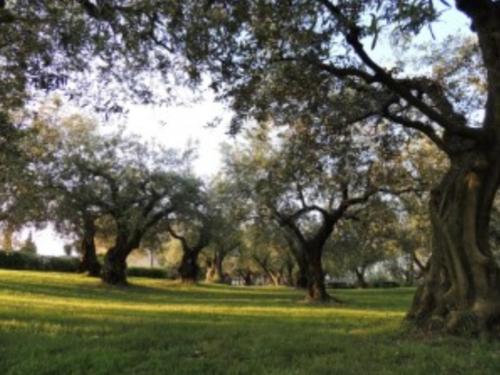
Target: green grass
<point>53,323</point>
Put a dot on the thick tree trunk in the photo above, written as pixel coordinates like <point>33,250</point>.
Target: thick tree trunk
<point>301,277</point>
<point>461,289</point>
<point>188,269</point>
<point>316,289</point>
<point>114,268</point>
<point>360,275</point>
<point>89,261</point>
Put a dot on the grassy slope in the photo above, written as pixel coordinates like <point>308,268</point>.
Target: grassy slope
<point>54,323</point>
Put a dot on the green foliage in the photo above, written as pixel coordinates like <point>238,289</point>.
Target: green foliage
<point>111,42</point>
<point>21,260</point>
<point>20,201</point>
<point>365,240</point>
<point>61,264</point>
<point>61,323</point>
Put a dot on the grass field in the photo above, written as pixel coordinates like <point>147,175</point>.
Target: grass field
<point>54,323</point>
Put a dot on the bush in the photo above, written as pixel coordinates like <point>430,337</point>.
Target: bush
<point>20,260</point>
<point>61,264</point>
<point>154,273</point>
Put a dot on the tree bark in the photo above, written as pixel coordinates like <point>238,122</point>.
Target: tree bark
<point>114,267</point>
<point>188,269</point>
<point>461,289</point>
<point>360,275</point>
<point>316,289</point>
<point>89,261</point>
<point>301,280</point>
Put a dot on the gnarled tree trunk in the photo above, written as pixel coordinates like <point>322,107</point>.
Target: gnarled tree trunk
<point>461,289</point>
<point>316,289</point>
<point>360,275</point>
<point>89,261</point>
<point>188,269</point>
<point>114,268</point>
<point>301,280</point>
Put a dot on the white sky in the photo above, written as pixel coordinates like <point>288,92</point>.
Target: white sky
<point>176,126</point>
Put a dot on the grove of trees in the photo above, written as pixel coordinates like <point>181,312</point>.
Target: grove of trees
<point>348,129</point>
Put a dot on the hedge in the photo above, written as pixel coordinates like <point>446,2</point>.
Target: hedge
<point>19,260</point>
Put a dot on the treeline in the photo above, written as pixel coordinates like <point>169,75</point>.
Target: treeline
<point>289,207</point>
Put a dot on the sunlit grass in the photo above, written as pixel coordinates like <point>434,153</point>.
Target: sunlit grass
<point>70,324</point>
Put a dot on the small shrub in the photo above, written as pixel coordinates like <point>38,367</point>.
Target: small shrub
<point>61,264</point>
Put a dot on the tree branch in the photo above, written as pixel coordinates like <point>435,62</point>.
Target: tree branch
<point>352,34</point>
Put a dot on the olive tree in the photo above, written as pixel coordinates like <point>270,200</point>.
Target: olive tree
<point>307,186</point>
<point>192,225</point>
<point>312,59</point>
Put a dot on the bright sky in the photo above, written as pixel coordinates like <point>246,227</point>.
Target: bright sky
<point>176,126</point>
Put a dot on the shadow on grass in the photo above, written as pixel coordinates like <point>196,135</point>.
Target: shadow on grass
<point>143,291</point>
<point>59,324</point>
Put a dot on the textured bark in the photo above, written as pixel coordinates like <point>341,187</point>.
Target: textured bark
<point>461,289</point>
<point>188,269</point>
<point>114,267</point>
<point>316,289</point>
<point>89,263</point>
<point>301,280</point>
